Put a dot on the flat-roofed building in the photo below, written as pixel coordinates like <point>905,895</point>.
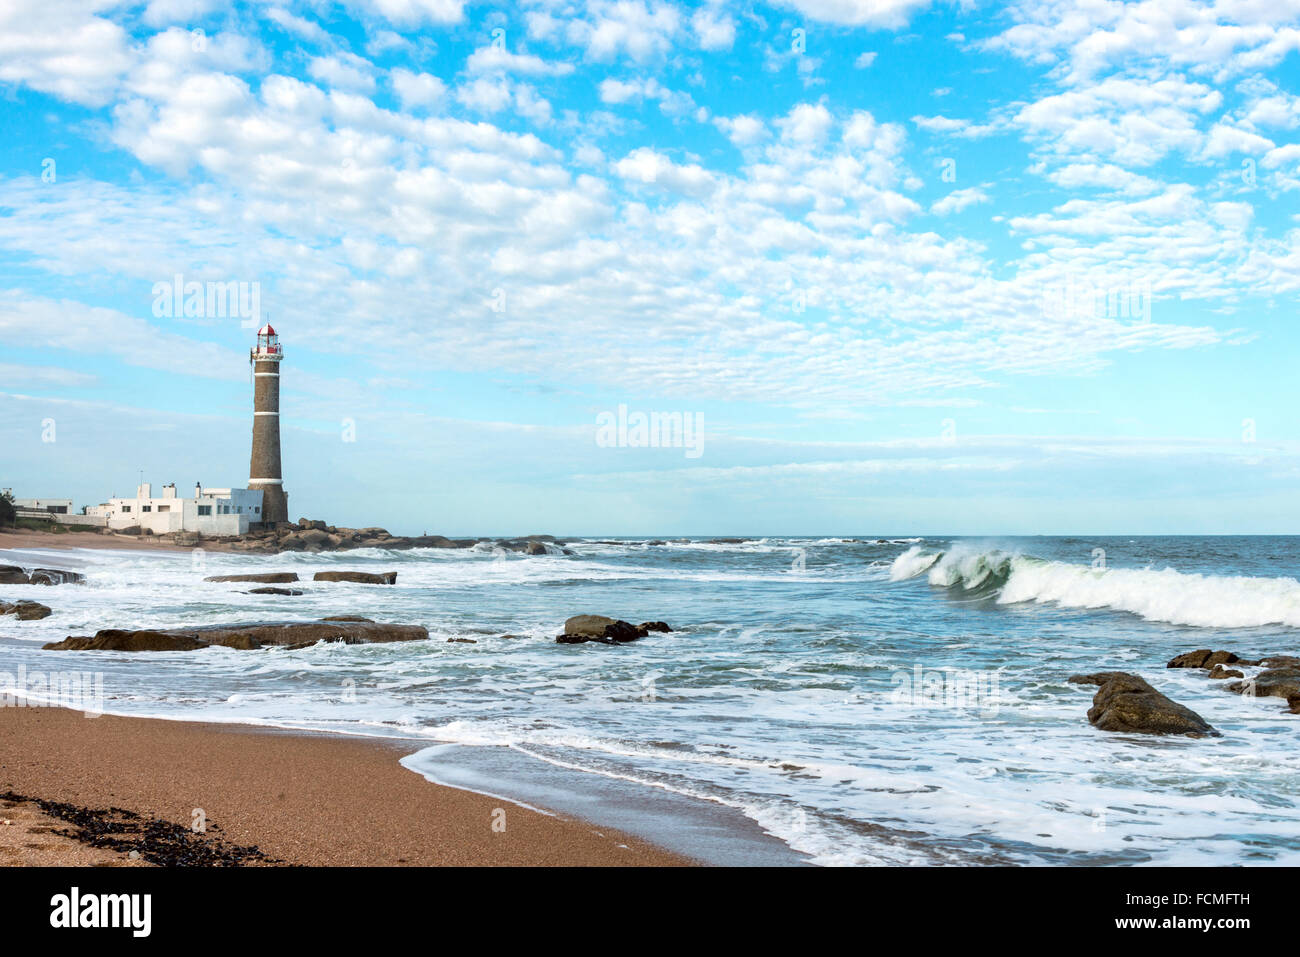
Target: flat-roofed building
<point>212,511</point>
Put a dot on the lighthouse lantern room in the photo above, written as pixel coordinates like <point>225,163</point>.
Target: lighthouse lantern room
<point>268,345</point>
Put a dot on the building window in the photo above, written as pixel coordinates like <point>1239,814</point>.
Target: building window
<point>146,508</point>
<point>126,508</point>
<point>205,509</point>
<point>164,508</point>
<point>257,509</point>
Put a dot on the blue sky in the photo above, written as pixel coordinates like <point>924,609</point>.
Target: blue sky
<point>915,267</point>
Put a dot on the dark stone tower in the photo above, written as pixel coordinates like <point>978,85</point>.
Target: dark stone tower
<point>264,469</point>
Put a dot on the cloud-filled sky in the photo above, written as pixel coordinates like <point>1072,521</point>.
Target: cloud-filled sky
<point>912,266</point>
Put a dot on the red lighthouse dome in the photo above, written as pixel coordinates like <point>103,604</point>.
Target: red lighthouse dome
<point>268,344</point>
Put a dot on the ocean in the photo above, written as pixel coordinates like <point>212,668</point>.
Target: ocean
<point>833,701</point>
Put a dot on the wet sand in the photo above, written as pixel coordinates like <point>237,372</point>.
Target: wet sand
<point>299,798</point>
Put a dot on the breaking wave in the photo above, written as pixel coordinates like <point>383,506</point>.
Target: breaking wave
<point>1180,598</point>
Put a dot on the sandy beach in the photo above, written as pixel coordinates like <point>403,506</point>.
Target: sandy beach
<point>298,798</point>
<point>23,538</point>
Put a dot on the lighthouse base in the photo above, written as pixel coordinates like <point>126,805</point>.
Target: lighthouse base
<point>275,504</point>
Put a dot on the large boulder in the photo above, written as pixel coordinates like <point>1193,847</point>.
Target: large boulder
<point>269,578</point>
<point>1126,703</point>
<point>25,610</point>
<point>605,630</point>
<point>295,634</point>
<point>364,578</point>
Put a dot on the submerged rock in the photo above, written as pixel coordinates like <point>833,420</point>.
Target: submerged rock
<point>25,610</point>
<point>605,630</point>
<point>350,629</point>
<point>1220,672</point>
<point>364,578</point>
<point>275,591</point>
<point>270,578</point>
<point>15,575</point>
<point>1126,703</point>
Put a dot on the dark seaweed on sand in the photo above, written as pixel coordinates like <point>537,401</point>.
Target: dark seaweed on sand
<point>159,842</point>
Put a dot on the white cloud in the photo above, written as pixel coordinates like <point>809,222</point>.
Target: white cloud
<point>865,59</point>
<point>417,89</point>
<point>65,50</point>
<point>714,29</point>
<point>412,12</point>
<point>642,30</point>
<point>343,71</point>
<point>958,200</point>
<point>492,59</point>
<point>807,123</point>
<point>742,130</point>
<point>645,165</point>
<point>891,14</point>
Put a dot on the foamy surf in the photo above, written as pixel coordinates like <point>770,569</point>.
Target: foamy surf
<point>1166,595</point>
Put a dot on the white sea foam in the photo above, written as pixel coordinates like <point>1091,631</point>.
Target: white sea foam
<point>1168,595</point>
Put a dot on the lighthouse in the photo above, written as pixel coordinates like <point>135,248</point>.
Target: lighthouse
<point>264,469</point>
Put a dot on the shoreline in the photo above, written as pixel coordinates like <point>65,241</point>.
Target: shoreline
<point>304,798</point>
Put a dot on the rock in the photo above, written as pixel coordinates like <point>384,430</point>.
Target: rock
<point>535,548</point>
<point>1222,672</point>
<point>1272,683</point>
<point>605,630</point>
<point>55,576</point>
<point>1203,658</point>
<point>1293,703</point>
<point>112,639</point>
<point>15,575</point>
<point>314,536</point>
<point>463,641</point>
<point>1279,661</point>
<point>346,618</point>
<point>25,610</point>
<point>364,578</point>
<point>313,524</point>
<point>1126,703</point>
<point>295,634</point>
<point>270,578</point>
<point>510,637</point>
<point>727,541</point>
<point>274,591</point>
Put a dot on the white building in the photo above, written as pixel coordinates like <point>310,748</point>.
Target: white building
<point>212,511</point>
<point>58,506</point>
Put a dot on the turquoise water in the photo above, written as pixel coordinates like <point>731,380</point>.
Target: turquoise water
<point>863,701</point>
